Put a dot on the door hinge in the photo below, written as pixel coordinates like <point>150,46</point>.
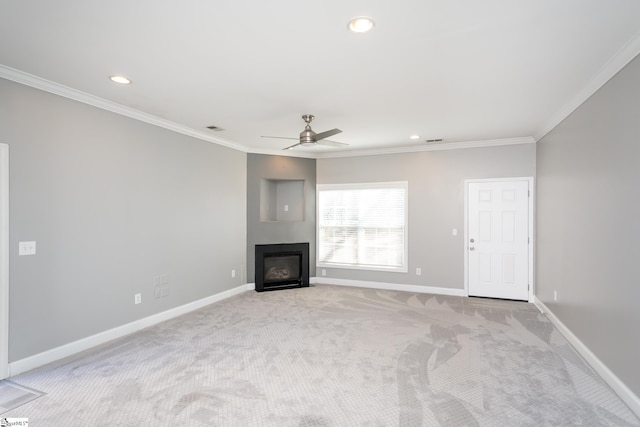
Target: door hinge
<point>528,240</point>
<point>528,193</point>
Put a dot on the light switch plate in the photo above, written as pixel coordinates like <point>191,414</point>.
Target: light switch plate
<point>26,248</point>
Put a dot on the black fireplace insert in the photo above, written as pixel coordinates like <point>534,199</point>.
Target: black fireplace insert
<point>282,266</point>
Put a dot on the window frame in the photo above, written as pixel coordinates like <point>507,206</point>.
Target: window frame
<point>404,185</point>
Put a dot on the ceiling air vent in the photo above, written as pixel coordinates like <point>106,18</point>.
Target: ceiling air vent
<point>435,140</point>
<point>216,128</point>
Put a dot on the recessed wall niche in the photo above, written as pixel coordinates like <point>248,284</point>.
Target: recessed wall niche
<point>281,200</point>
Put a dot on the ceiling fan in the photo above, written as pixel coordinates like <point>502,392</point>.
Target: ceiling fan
<point>308,138</point>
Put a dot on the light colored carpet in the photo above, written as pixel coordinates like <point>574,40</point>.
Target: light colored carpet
<point>332,356</point>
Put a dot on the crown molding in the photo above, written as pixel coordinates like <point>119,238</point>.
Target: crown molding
<point>399,150</point>
<point>431,147</point>
<point>95,101</point>
<point>286,153</point>
<point>616,63</point>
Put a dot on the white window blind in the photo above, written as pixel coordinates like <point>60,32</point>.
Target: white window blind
<point>363,226</point>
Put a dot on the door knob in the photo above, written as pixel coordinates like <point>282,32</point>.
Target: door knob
<point>471,248</point>
<point>472,240</point>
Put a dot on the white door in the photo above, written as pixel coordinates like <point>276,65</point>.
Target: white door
<point>4,261</point>
<point>498,239</point>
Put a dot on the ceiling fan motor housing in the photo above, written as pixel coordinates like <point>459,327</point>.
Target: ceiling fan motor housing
<point>307,136</point>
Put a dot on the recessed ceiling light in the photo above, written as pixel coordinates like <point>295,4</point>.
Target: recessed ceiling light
<point>120,79</point>
<point>361,24</point>
<point>414,137</point>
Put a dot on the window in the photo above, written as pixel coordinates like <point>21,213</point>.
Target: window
<point>363,226</point>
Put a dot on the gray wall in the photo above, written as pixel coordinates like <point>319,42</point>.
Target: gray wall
<point>113,203</point>
<point>261,167</point>
<point>436,203</point>
<point>588,227</point>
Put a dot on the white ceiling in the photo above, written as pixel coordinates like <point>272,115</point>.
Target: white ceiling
<point>462,70</point>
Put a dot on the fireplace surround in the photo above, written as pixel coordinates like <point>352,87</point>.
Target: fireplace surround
<point>282,266</point>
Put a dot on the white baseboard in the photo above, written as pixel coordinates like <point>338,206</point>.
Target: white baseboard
<point>609,377</point>
<point>58,353</point>
<point>389,286</point>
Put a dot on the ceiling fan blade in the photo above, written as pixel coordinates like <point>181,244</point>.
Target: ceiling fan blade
<point>332,143</point>
<point>279,137</point>
<point>291,146</point>
<point>327,134</point>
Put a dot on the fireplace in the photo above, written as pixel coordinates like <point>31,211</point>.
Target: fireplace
<point>282,266</point>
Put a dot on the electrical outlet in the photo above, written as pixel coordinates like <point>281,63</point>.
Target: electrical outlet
<point>286,208</point>
<point>418,271</point>
<point>233,273</point>
<point>323,272</point>
<point>137,298</point>
<point>454,232</point>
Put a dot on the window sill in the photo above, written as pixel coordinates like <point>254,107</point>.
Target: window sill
<point>402,269</point>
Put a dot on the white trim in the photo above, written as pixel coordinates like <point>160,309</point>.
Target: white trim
<point>466,238</point>
<point>95,101</point>
<point>616,63</point>
<point>4,261</point>
<point>389,286</point>
<point>609,377</point>
<point>285,153</point>
<point>531,208</point>
<point>430,147</point>
<point>41,359</point>
<point>364,185</point>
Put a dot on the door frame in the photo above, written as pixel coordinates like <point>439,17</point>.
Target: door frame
<point>531,246</point>
<point>4,261</point>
